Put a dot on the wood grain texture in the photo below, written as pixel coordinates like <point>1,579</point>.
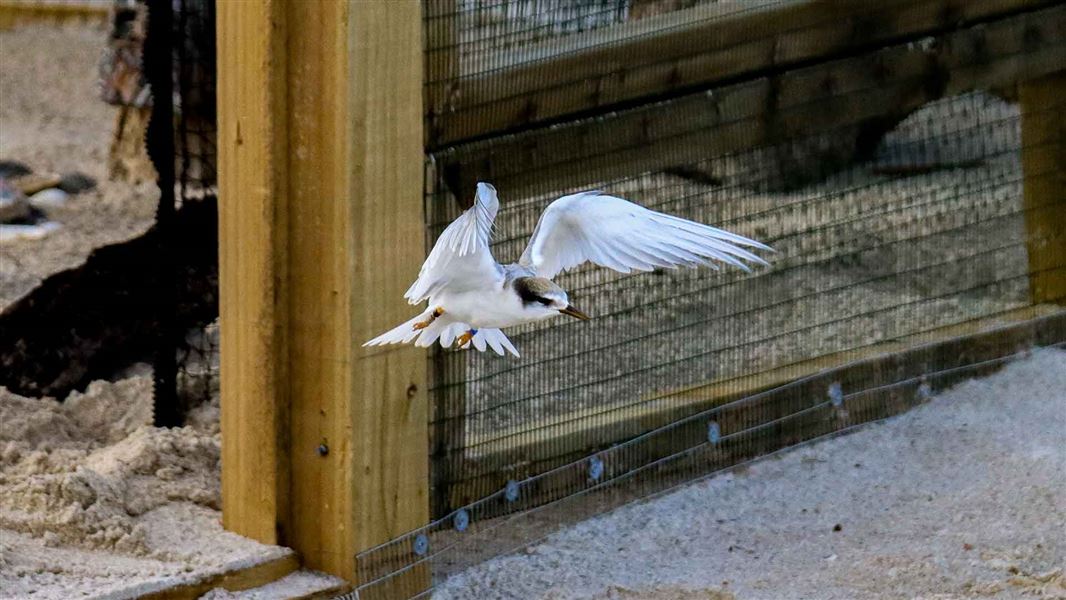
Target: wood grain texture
<point>831,96</point>
<point>234,581</point>
<point>253,237</point>
<point>389,416</point>
<point>321,362</point>
<point>678,51</point>
<point>1043,103</point>
<point>321,181</point>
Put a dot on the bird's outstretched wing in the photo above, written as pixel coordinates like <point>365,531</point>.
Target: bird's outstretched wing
<point>462,251</point>
<point>617,234</point>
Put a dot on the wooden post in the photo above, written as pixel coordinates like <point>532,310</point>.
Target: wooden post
<point>321,223</point>
<point>1043,102</point>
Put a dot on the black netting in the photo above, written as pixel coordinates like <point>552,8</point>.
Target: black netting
<point>196,160</point>
<point>893,178</point>
<point>863,256</point>
<point>179,67</point>
<point>194,99</point>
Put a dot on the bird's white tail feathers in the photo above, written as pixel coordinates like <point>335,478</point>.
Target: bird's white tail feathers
<point>446,330</point>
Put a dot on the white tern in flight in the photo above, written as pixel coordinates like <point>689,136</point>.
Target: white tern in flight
<point>471,296</point>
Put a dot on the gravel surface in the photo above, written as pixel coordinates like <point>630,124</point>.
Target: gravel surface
<point>960,498</point>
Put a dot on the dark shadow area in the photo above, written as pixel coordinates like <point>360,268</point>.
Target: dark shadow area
<point>92,321</point>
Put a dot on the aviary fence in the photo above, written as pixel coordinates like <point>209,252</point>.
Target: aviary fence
<point>153,298</point>
<point>904,159</point>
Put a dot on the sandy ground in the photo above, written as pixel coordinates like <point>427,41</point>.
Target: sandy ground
<point>51,119</point>
<point>960,498</point>
<point>95,502</point>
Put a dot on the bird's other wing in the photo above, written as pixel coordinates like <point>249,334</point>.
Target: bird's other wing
<point>462,250</point>
<point>617,234</point>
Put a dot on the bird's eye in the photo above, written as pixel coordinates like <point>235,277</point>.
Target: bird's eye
<point>544,301</point>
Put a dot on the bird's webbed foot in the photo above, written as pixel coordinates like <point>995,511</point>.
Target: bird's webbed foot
<point>432,317</point>
<point>464,339</point>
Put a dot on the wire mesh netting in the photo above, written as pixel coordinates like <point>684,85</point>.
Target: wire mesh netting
<point>863,257</point>
<point>179,66</point>
<point>138,288</point>
<point>470,43</point>
<point>483,33</point>
<point>196,159</point>
<point>892,190</point>
<point>912,195</point>
<point>513,64</point>
<point>194,99</point>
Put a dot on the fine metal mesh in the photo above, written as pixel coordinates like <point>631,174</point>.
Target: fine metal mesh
<point>508,65</point>
<point>490,33</point>
<point>862,257</point>
<point>904,262</point>
<point>684,373</point>
<point>469,42</point>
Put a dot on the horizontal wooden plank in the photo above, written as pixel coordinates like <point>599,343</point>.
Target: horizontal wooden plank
<point>673,52</point>
<point>571,436</point>
<point>856,93</point>
<point>253,576</point>
<point>15,13</point>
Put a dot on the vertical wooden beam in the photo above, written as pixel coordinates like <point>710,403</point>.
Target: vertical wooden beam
<point>387,174</point>
<point>1043,102</point>
<point>253,237</point>
<point>323,241</point>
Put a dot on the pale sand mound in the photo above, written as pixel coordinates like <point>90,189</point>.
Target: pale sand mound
<point>964,497</point>
<point>94,500</point>
<point>82,472</point>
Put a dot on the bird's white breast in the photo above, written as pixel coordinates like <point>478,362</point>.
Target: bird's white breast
<point>495,308</point>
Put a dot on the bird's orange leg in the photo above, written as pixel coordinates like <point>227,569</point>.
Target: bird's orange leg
<point>432,317</point>
<point>464,339</point>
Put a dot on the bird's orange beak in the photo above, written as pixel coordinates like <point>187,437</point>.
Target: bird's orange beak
<point>573,312</point>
